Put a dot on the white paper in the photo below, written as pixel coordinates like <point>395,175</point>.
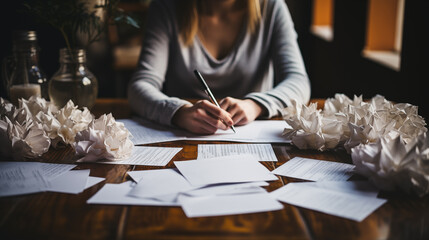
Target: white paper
<point>148,156</point>
<point>53,170</point>
<point>262,131</point>
<point>228,204</point>
<point>21,179</point>
<point>243,133</point>
<point>315,170</point>
<point>271,131</point>
<point>145,132</point>
<point>158,183</point>
<point>230,169</point>
<point>264,152</point>
<point>226,189</point>
<point>342,204</point>
<point>92,181</point>
<point>116,194</point>
<point>362,188</point>
<point>72,182</point>
<point>18,178</point>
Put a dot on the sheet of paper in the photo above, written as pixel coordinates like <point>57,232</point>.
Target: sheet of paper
<point>342,204</point>
<point>160,182</point>
<point>229,169</point>
<point>53,170</point>
<point>228,204</point>
<point>362,188</point>
<point>315,170</point>
<point>262,131</point>
<point>243,133</point>
<point>17,179</point>
<point>226,189</point>
<point>146,132</point>
<point>271,131</point>
<point>353,187</point>
<point>92,181</point>
<point>148,156</point>
<point>72,182</point>
<point>116,194</point>
<point>264,152</point>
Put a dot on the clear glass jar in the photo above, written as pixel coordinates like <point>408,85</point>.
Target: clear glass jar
<point>73,81</point>
<point>23,76</point>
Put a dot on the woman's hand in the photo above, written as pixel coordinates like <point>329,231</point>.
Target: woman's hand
<point>203,118</point>
<point>242,111</point>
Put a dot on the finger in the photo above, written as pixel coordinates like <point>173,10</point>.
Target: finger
<point>225,103</point>
<point>208,124</point>
<point>238,119</point>
<point>217,112</point>
<point>213,121</point>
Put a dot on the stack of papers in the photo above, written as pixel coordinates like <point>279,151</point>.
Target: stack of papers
<point>31,177</point>
<point>209,187</point>
<point>331,193</point>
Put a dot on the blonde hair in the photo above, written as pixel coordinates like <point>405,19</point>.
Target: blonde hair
<point>187,17</point>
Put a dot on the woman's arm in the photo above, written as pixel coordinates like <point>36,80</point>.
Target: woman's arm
<point>145,89</point>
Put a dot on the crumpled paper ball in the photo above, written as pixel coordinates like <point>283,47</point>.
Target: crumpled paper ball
<point>71,120</point>
<point>394,164</point>
<point>34,105</point>
<point>310,129</point>
<point>104,139</point>
<point>43,112</point>
<point>28,140</point>
<point>20,134</point>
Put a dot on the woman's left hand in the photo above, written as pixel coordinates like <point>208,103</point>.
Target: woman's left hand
<point>242,111</point>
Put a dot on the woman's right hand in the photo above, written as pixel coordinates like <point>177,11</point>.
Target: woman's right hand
<point>202,118</point>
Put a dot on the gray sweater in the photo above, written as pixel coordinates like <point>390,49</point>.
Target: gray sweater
<point>266,66</point>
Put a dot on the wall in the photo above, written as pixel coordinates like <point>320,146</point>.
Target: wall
<point>338,66</point>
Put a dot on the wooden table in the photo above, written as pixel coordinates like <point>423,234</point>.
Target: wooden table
<point>65,216</point>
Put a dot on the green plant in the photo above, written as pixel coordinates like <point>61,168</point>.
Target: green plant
<point>71,17</point>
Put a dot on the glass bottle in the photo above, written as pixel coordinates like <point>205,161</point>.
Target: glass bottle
<point>23,76</point>
<point>73,81</point>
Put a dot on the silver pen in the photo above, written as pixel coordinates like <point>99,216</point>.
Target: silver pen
<point>208,92</point>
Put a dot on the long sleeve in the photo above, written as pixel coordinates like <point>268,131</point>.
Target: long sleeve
<point>145,89</point>
<point>165,67</point>
<point>288,65</point>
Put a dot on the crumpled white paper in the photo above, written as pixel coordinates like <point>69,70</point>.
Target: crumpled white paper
<point>71,120</point>
<point>23,141</point>
<point>27,131</point>
<point>348,123</point>
<point>310,129</point>
<point>21,135</point>
<point>393,164</point>
<point>388,141</point>
<point>104,139</point>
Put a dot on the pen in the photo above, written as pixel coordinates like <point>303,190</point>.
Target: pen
<point>208,92</point>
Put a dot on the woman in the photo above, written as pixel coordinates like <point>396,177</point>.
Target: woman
<point>246,51</point>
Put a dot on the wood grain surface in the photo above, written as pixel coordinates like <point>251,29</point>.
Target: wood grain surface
<point>66,216</point>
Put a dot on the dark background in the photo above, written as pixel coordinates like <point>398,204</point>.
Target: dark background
<point>333,67</point>
<point>338,66</point>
